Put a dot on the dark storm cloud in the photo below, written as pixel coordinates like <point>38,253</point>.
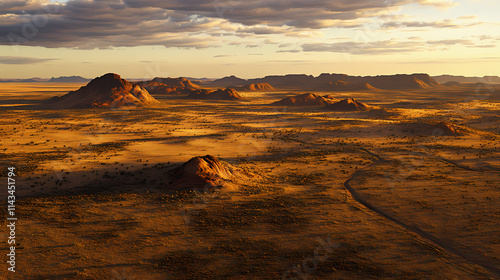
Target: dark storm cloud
<point>17,5</point>
<point>101,24</point>
<point>295,13</point>
<point>88,24</point>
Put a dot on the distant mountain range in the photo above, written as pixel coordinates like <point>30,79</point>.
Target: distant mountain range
<point>32,80</point>
<point>333,82</point>
<point>462,79</point>
<point>69,79</point>
<point>326,82</point>
<point>63,79</point>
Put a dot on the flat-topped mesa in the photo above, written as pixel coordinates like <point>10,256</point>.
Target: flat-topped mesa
<point>109,90</point>
<point>339,83</point>
<point>220,94</point>
<point>452,84</point>
<point>257,87</point>
<point>68,79</point>
<point>307,99</point>
<point>200,173</point>
<point>426,79</point>
<point>462,79</point>
<point>346,86</point>
<point>290,81</point>
<point>401,81</point>
<point>325,82</point>
<point>348,104</point>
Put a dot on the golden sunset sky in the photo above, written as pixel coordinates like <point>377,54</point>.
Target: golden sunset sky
<point>251,38</point>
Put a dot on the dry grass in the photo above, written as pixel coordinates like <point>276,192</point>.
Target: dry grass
<point>94,203</point>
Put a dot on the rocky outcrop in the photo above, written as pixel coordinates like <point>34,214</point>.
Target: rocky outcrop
<point>433,128</point>
<point>221,94</point>
<point>200,173</point>
<point>308,99</point>
<point>257,87</point>
<point>348,105</point>
<point>173,86</point>
<point>106,91</point>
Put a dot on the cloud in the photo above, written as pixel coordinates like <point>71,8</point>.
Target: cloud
<point>288,51</point>
<point>467,17</point>
<point>88,24</point>
<point>102,24</point>
<point>445,23</point>
<point>439,3</point>
<point>484,46</point>
<point>451,42</point>
<point>454,60</point>
<point>484,37</point>
<point>379,47</point>
<point>389,46</point>
<point>22,60</point>
<point>289,61</point>
<point>262,30</point>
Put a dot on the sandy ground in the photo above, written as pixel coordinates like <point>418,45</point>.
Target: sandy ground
<point>333,195</point>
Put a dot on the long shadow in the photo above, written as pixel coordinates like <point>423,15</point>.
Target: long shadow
<point>73,275</point>
<point>20,108</point>
<point>176,138</point>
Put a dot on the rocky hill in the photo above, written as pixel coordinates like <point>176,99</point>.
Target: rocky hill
<point>109,90</point>
<point>308,99</point>
<point>221,94</point>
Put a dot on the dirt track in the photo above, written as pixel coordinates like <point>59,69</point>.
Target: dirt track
<point>439,243</point>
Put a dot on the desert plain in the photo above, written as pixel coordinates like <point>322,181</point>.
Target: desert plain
<point>406,190</point>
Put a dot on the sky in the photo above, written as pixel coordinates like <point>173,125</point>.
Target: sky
<point>143,39</point>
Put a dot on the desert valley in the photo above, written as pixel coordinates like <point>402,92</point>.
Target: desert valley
<point>282,177</point>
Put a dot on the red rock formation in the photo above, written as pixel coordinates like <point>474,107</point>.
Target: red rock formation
<point>221,94</point>
<point>433,128</point>
<point>257,87</point>
<point>109,90</point>
<point>201,172</point>
<point>308,99</point>
<point>346,86</point>
<point>348,104</point>
<point>170,86</point>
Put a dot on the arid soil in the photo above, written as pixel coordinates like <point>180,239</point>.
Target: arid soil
<point>388,193</point>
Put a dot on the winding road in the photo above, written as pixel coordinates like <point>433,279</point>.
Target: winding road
<point>444,245</point>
